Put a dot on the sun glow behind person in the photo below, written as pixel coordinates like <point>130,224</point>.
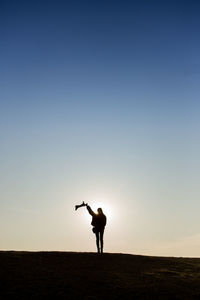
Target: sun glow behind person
<point>107,207</point>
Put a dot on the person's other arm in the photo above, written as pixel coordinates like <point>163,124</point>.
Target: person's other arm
<point>105,220</point>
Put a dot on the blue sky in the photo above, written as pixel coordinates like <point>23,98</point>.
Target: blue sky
<point>100,102</point>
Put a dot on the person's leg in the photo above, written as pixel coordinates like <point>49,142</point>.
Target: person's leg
<point>97,241</point>
<point>101,240</point>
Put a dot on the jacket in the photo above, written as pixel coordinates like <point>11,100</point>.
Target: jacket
<point>98,220</point>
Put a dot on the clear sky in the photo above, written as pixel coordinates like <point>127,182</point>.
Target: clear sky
<point>99,101</point>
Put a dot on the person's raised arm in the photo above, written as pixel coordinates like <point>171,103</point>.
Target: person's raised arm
<point>90,210</point>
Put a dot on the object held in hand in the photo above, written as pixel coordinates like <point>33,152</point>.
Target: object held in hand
<point>81,205</point>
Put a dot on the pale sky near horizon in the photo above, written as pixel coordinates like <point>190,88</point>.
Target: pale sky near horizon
<point>99,101</point>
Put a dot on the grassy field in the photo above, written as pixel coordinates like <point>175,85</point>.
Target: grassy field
<point>70,275</point>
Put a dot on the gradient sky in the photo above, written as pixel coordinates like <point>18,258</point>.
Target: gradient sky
<point>99,101</point>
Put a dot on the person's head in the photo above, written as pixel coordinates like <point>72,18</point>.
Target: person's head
<point>99,210</point>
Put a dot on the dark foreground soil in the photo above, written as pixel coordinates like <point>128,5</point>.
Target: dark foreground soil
<point>67,275</point>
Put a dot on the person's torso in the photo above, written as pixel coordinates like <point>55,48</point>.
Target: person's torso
<point>99,220</point>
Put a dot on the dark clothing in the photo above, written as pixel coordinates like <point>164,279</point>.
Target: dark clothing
<point>99,223</point>
<point>98,220</point>
<point>99,236</point>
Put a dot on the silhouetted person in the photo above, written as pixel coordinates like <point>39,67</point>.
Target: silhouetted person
<point>99,223</point>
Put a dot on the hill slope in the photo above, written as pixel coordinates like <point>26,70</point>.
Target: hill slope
<point>68,275</point>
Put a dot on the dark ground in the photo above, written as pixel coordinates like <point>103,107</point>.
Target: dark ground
<point>67,275</point>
